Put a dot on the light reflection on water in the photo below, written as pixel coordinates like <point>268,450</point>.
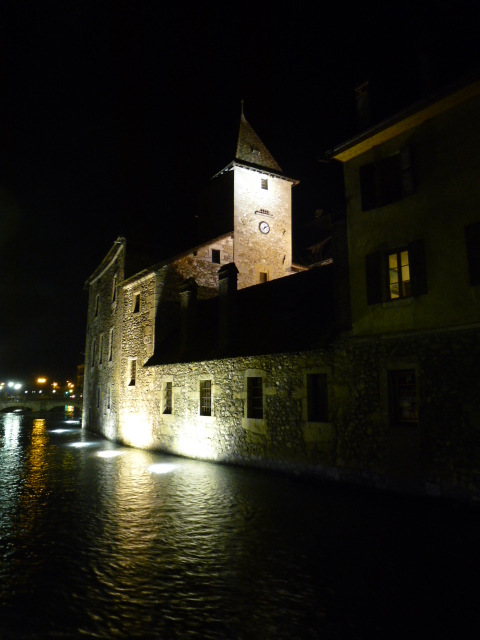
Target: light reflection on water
<point>114,542</point>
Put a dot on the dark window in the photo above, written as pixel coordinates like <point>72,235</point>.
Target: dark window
<point>472,240</point>
<point>263,276</point>
<point>205,397</point>
<point>168,398</point>
<point>136,302</point>
<point>110,346</point>
<point>100,349</point>
<point>98,397</point>
<point>396,274</point>
<point>97,305</point>
<point>264,183</point>
<point>133,373</point>
<point>114,289</point>
<point>109,396</point>
<point>216,256</point>
<point>403,397</point>
<point>317,397</point>
<point>386,180</point>
<point>255,398</point>
<point>94,349</point>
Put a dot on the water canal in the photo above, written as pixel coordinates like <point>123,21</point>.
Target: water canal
<point>103,541</point>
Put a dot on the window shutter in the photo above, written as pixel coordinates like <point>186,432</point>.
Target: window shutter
<point>406,171</point>
<point>472,241</point>
<point>373,265</point>
<point>367,186</point>
<point>418,271</point>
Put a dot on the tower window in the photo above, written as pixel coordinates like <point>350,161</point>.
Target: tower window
<point>255,398</point>
<point>97,304</point>
<point>168,398</point>
<point>216,256</point>
<point>100,350</point>
<point>114,289</point>
<point>136,303</point>
<point>265,183</point>
<point>205,397</point>
<point>263,276</point>
<point>133,373</point>
<point>110,346</point>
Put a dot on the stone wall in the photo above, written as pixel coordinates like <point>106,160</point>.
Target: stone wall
<point>101,382</point>
<point>358,444</point>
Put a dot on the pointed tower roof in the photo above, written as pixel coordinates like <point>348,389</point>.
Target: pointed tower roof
<point>251,149</point>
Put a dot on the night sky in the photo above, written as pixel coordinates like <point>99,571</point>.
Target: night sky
<point>114,114</point>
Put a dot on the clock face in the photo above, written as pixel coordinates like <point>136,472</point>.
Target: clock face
<point>264,227</point>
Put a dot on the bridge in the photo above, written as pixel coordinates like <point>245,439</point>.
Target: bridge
<point>42,404</point>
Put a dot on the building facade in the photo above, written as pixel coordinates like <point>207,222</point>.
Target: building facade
<point>363,369</point>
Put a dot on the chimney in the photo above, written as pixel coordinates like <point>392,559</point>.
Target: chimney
<point>227,303</point>
<point>362,100</point>
<point>188,313</point>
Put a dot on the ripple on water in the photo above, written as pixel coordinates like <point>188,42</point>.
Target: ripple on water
<point>106,541</point>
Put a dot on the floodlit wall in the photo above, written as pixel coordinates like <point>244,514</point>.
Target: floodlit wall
<point>254,251</point>
<point>358,443</point>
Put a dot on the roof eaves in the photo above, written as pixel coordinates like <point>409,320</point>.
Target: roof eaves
<point>255,167</point>
<point>445,99</point>
<point>118,245</point>
<point>164,263</point>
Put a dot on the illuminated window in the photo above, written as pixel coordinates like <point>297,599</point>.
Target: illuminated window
<point>94,349</point>
<point>136,303</point>
<point>97,304</point>
<point>264,183</point>
<point>167,398</point>
<point>205,397</point>
<point>255,398</point>
<point>317,397</point>
<point>386,180</point>
<point>100,349</point>
<point>403,402</point>
<point>133,373</point>
<point>110,345</point>
<point>114,289</point>
<point>263,275</point>
<point>216,256</point>
<point>398,275</point>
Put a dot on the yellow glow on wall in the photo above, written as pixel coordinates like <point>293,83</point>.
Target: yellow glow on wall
<point>136,430</point>
<point>197,440</point>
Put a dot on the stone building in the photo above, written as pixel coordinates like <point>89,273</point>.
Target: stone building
<point>363,369</point>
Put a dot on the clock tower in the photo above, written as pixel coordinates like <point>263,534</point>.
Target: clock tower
<point>254,197</point>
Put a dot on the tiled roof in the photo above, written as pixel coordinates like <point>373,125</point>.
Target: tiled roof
<point>251,149</point>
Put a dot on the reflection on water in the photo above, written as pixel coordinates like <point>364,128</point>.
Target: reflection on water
<point>106,541</point>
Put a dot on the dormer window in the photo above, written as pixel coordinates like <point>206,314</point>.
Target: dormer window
<point>264,183</point>
<point>255,152</point>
